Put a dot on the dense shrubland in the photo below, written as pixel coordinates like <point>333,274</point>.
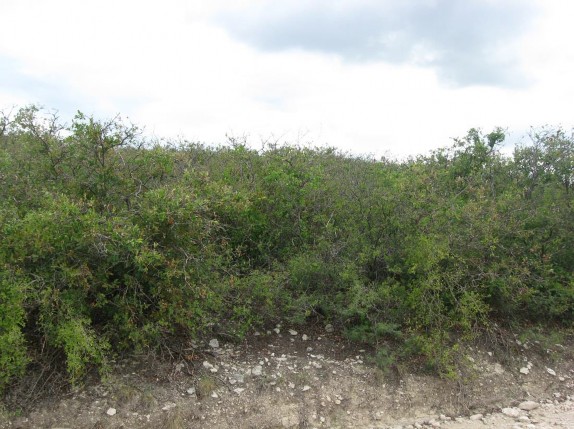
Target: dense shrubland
<point>111,243</point>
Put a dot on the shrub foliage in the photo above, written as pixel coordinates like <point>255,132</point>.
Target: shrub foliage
<point>110,242</point>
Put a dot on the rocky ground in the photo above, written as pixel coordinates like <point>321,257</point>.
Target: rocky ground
<point>288,379</point>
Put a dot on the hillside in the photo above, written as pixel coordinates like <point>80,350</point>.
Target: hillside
<point>113,244</point>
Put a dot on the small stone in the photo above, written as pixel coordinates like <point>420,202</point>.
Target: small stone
<point>524,370</point>
<point>304,337</point>
<point>257,370</point>
<point>207,365</point>
<point>523,419</point>
<point>292,332</point>
<point>305,388</point>
<point>329,328</point>
<point>277,330</point>
<point>238,390</point>
<point>214,395</point>
<point>528,405</point>
<point>550,371</point>
<point>214,344</point>
<point>476,417</point>
<point>111,412</point>
<point>338,401</point>
<point>511,412</point>
<point>168,406</point>
<point>191,391</point>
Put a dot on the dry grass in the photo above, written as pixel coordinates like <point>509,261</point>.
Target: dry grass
<point>126,393</point>
<point>205,386</point>
<point>173,420</point>
<point>147,401</point>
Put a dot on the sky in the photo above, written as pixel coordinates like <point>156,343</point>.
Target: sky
<point>371,77</point>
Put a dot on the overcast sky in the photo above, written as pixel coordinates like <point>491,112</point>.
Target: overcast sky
<point>383,77</point>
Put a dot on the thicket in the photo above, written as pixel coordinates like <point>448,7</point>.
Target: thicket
<point>110,242</point>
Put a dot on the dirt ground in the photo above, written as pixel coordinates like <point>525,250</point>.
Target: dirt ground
<point>288,379</point>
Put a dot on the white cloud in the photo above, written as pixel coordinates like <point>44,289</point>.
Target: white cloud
<point>467,43</point>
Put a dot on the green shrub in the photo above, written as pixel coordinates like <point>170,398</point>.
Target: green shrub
<point>109,243</point>
<point>13,350</point>
<point>82,348</point>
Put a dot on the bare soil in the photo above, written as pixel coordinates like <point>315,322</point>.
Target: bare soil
<point>311,380</point>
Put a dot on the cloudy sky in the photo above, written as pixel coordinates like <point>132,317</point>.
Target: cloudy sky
<point>383,77</point>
